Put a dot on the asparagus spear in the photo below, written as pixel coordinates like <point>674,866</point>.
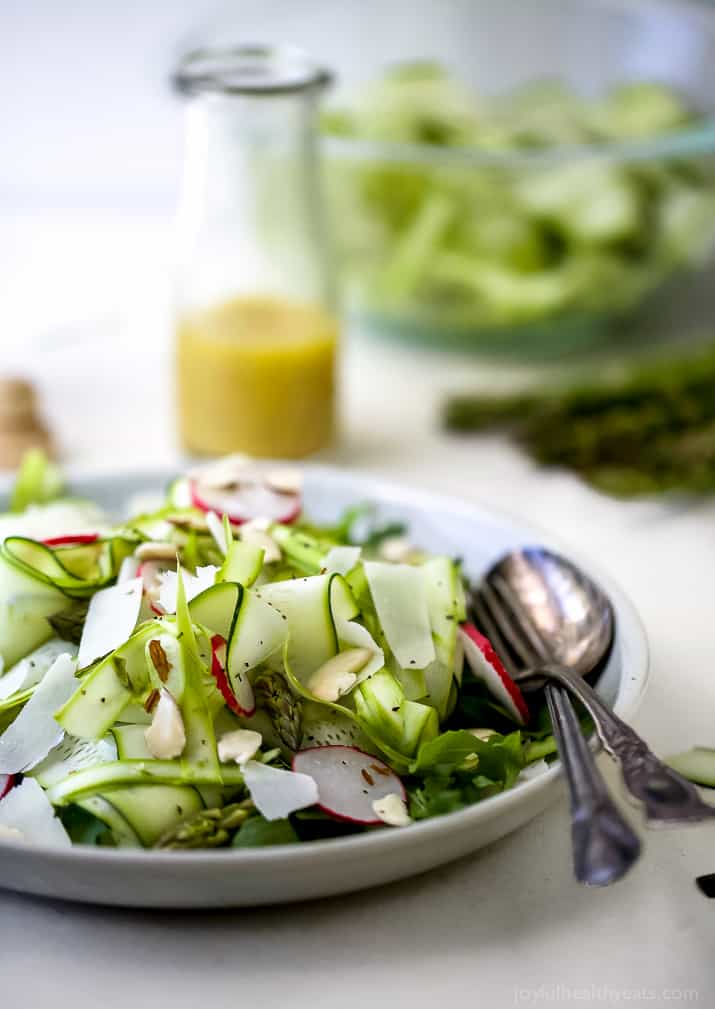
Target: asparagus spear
<point>651,430</point>
<point>210,828</point>
<point>273,694</point>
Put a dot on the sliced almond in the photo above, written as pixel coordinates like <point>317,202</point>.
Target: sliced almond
<point>392,810</point>
<point>166,736</point>
<point>483,734</point>
<point>159,659</point>
<point>155,552</point>
<point>339,674</point>
<point>225,472</point>
<point>241,745</point>
<point>191,522</point>
<point>395,549</point>
<point>285,481</point>
<point>260,523</point>
<point>252,534</point>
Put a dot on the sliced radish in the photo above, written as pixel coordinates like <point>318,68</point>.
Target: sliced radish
<point>349,781</point>
<point>80,539</point>
<point>241,489</point>
<point>218,671</point>
<point>246,502</point>
<point>6,783</point>
<point>276,793</point>
<point>486,665</point>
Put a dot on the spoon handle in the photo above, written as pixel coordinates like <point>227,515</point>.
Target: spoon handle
<point>604,845</point>
<point>666,796</point>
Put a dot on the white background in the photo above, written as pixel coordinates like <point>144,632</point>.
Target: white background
<point>88,176</point>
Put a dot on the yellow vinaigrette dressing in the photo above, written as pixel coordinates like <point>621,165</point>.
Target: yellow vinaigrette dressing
<point>257,375</point>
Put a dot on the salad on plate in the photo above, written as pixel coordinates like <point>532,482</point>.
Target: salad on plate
<point>216,670</point>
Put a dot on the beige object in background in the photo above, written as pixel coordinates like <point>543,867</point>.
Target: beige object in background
<point>21,426</point>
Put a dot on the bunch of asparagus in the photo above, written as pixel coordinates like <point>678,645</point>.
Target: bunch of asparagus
<point>652,430</point>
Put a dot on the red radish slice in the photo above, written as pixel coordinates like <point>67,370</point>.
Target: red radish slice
<point>218,671</point>
<point>71,541</point>
<point>6,783</point>
<point>247,501</point>
<point>348,781</point>
<point>487,667</point>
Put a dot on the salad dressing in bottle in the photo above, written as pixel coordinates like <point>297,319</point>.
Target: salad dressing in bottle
<point>256,336</point>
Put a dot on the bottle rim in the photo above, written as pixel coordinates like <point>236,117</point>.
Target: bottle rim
<point>249,70</point>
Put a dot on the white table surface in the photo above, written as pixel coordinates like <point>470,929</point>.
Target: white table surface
<point>506,927</point>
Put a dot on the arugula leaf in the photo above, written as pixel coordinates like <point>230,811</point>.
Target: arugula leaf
<point>459,769</point>
<point>538,738</point>
<point>450,749</point>
<point>499,758</point>
<point>257,832</point>
<point>84,828</point>
<point>436,796</point>
<point>442,793</point>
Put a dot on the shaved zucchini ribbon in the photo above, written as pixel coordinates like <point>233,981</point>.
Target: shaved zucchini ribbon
<point>38,582</point>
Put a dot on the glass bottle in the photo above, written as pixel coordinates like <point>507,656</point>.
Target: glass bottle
<point>256,333</point>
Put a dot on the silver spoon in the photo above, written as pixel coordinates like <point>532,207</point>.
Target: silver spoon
<point>604,844</point>
<point>555,623</point>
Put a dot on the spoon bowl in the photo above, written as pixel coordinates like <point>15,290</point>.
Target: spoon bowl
<point>554,612</point>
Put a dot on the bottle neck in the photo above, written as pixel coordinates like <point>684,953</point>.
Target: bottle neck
<point>251,202</point>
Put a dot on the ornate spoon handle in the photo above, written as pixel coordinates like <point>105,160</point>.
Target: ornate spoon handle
<point>603,843</point>
<point>666,796</point>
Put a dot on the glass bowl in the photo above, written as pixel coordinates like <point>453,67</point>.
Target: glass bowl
<point>543,250</point>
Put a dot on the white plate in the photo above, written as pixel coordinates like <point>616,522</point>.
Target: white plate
<point>288,873</point>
